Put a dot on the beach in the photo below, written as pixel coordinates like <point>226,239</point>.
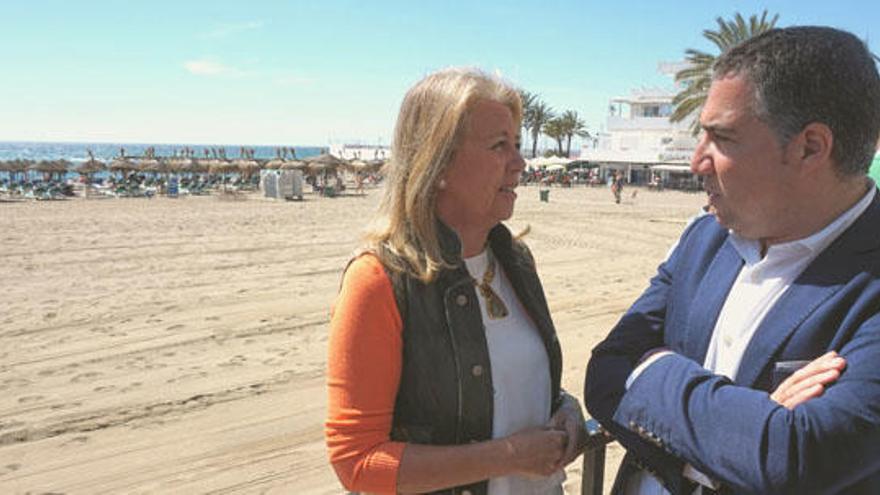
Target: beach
<point>179,345</point>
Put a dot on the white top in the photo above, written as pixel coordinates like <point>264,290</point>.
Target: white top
<point>757,288</point>
<point>520,376</point>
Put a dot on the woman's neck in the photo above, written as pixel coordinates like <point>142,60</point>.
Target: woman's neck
<point>472,243</point>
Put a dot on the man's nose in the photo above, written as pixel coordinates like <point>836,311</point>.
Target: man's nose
<point>701,161</point>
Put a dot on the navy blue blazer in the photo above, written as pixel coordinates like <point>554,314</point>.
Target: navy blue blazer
<point>677,411</point>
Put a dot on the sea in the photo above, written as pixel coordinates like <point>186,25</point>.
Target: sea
<point>77,153</point>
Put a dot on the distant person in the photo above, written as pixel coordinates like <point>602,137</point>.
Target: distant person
<point>617,186</point>
<point>750,363</point>
<point>444,367</point>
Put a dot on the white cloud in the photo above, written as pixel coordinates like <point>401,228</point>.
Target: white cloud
<point>209,68</point>
<point>224,30</point>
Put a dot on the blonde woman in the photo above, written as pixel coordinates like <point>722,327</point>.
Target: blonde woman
<point>444,366</point>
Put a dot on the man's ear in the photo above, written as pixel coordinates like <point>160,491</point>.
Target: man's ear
<point>815,144</point>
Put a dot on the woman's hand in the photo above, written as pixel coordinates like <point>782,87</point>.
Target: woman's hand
<point>537,451</point>
<point>570,419</point>
<point>810,381</point>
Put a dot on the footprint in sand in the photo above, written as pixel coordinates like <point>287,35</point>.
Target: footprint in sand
<point>238,360</point>
<point>58,407</point>
<point>9,468</point>
<point>15,382</point>
<point>27,399</point>
<point>131,386</point>
<point>85,376</point>
<point>175,327</point>
<point>104,388</point>
<point>76,441</point>
<point>212,318</point>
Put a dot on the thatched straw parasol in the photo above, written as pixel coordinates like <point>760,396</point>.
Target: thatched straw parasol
<point>52,167</point>
<point>275,164</point>
<point>221,166</point>
<point>123,165</point>
<point>294,165</point>
<point>194,167</point>
<point>90,167</point>
<point>324,163</point>
<point>154,166</point>
<point>16,165</point>
<point>246,167</point>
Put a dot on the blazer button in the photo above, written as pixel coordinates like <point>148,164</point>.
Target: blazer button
<point>477,370</point>
<point>461,300</point>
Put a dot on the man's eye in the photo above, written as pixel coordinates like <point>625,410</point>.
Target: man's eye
<point>499,145</point>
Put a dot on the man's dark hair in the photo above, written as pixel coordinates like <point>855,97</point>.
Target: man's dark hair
<point>809,74</point>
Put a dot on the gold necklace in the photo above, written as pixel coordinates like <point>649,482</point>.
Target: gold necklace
<point>495,307</point>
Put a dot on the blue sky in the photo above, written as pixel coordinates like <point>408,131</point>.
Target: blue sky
<point>322,71</point>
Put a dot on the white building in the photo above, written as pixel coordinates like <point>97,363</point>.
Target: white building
<point>364,152</point>
<point>639,136</point>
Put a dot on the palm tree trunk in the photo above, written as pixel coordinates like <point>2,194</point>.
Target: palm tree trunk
<point>534,141</point>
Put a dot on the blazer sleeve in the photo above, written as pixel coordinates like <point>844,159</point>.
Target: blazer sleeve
<point>742,437</point>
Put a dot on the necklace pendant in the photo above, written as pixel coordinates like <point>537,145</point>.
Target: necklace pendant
<point>495,307</point>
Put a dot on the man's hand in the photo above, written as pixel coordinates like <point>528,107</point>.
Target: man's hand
<point>570,418</point>
<point>810,381</point>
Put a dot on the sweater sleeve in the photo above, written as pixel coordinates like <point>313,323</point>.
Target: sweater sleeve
<point>363,375</point>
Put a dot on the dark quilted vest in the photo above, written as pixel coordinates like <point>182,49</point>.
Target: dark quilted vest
<point>445,395</point>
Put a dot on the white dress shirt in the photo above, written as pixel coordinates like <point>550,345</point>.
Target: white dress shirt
<point>759,285</point>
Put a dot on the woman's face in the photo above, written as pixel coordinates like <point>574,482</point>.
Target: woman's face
<point>484,172</point>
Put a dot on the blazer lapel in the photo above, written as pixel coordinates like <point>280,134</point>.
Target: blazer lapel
<point>713,290</point>
<point>827,274</point>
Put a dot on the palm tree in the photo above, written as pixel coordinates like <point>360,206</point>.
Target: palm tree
<point>697,77</point>
<point>573,126</point>
<point>556,129</point>
<point>528,102</point>
<point>538,117</point>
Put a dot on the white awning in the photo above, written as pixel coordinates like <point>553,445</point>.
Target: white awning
<point>672,168</point>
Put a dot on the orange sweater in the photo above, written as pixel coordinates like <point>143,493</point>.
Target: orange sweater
<point>363,374</point>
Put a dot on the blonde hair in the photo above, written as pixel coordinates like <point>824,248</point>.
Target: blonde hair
<point>432,119</point>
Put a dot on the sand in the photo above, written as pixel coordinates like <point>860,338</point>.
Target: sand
<point>178,345</point>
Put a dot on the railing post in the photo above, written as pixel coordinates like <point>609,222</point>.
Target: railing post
<point>593,470</point>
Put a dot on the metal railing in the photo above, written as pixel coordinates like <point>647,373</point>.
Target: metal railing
<point>593,470</point>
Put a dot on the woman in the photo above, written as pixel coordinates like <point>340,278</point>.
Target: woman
<point>444,366</point>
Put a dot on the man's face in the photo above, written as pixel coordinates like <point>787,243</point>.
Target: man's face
<point>743,165</point>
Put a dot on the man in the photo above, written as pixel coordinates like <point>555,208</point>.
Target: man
<point>785,271</point>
